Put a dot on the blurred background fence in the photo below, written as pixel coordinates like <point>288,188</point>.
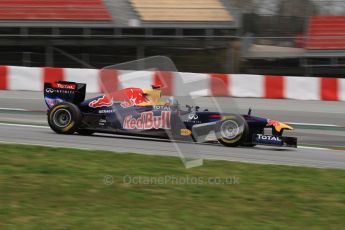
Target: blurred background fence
<point>272,37</point>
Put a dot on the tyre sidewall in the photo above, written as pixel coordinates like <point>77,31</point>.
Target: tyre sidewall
<point>239,138</point>
<point>74,122</point>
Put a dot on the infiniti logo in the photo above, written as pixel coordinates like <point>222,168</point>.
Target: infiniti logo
<point>193,116</point>
<point>49,90</point>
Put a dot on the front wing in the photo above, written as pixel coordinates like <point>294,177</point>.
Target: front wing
<point>279,141</point>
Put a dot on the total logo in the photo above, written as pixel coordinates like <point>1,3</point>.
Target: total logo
<point>161,107</point>
<point>147,120</point>
<point>64,86</point>
<point>268,138</point>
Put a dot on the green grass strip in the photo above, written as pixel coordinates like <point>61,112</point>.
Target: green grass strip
<point>58,188</point>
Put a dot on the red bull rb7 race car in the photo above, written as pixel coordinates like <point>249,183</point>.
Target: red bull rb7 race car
<point>137,111</point>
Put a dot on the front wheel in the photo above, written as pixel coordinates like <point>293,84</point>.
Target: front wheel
<point>64,118</point>
<point>232,131</point>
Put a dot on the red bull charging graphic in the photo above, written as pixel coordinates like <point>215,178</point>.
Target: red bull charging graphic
<point>127,98</point>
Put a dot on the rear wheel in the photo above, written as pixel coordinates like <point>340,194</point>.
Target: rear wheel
<point>64,118</point>
<point>232,131</point>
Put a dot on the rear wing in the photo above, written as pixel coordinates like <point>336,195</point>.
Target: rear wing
<point>60,91</point>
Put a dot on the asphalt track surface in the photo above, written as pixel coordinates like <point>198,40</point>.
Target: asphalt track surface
<point>284,110</point>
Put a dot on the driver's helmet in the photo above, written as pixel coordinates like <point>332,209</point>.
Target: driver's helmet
<point>172,101</point>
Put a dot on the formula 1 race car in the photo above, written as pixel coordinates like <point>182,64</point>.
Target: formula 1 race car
<point>137,111</point>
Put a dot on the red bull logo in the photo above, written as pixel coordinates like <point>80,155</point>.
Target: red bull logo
<point>278,125</point>
<point>133,96</point>
<point>127,98</point>
<point>273,123</point>
<point>100,102</point>
<point>148,121</point>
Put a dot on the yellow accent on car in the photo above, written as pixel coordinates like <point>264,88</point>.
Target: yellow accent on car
<point>281,126</point>
<point>185,132</point>
<point>68,127</point>
<point>153,96</point>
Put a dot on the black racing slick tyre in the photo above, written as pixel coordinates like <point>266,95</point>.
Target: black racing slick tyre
<point>232,131</point>
<point>64,118</point>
